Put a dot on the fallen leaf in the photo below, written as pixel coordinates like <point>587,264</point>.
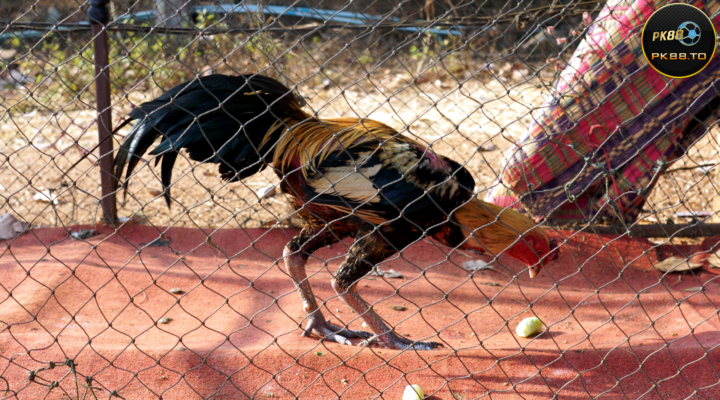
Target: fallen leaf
<point>135,219</point>
<point>693,289</point>
<point>267,191</point>
<point>83,234</point>
<point>10,226</point>
<point>487,147</point>
<point>159,242</point>
<point>164,320</point>
<point>479,265</point>
<point>714,261</point>
<point>319,353</point>
<point>489,283</point>
<point>45,197</point>
<point>475,265</point>
<point>176,291</point>
<point>676,264</point>
<point>398,308</point>
<point>387,274</point>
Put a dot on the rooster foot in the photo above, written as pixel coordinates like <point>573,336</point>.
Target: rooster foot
<point>395,342</point>
<point>331,332</point>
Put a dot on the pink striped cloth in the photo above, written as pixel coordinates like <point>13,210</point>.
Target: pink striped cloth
<point>610,124</point>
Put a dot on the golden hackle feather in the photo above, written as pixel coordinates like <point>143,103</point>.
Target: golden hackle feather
<point>312,140</point>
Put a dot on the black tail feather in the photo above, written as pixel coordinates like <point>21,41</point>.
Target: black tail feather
<point>168,161</point>
<point>218,119</point>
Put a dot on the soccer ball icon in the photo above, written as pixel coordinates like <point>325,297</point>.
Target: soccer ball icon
<point>690,33</point>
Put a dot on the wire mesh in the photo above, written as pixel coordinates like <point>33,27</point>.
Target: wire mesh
<point>198,300</point>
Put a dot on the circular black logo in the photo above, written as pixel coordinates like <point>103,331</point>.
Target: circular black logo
<point>679,40</point>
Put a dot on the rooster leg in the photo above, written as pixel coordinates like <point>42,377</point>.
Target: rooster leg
<point>367,251</point>
<point>296,254</point>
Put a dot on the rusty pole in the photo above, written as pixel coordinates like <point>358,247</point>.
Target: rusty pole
<point>99,16</point>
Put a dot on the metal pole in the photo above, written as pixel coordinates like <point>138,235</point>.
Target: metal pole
<point>99,15</point>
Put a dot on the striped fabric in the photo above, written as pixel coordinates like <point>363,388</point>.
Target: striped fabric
<point>610,123</point>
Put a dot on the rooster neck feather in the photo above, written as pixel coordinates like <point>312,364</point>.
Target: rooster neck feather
<point>312,140</point>
<point>493,227</point>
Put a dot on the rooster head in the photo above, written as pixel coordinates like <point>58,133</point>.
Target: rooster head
<point>494,229</point>
<point>534,249</point>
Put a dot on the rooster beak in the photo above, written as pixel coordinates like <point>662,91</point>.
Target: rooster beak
<point>534,270</point>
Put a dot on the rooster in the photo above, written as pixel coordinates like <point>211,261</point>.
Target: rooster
<point>346,177</point>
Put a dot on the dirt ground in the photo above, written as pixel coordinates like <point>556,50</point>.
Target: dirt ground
<point>39,147</point>
<point>613,325</point>
<point>220,320</point>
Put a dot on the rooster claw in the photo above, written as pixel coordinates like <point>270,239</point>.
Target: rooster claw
<point>367,342</point>
<point>395,342</point>
<point>331,332</point>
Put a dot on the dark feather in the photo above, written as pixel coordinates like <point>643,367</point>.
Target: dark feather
<point>166,175</point>
<point>218,119</point>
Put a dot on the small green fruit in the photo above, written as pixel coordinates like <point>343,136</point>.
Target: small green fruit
<point>529,327</point>
<point>413,392</point>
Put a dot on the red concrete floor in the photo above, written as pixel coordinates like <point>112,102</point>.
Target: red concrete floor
<point>613,327</point>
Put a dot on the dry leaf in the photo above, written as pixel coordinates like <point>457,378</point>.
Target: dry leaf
<point>475,265</point>
<point>10,226</point>
<point>135,219</point>
<point>693,289</point>
<point>83,234</point>
<point>398,308</point>
<point>387,274</point>
<point>45,197</point>
<point>487,147</point>
<point>676,264</point>
<point>714,261</point>
<point>267,191</point>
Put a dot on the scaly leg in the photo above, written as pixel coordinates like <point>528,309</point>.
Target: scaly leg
<point>296,254</point>
<point>367,251</point>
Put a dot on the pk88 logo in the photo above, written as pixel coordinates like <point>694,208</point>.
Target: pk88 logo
<point>679,40</point>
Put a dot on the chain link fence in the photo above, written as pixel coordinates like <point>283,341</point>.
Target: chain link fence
<point>193,300</point>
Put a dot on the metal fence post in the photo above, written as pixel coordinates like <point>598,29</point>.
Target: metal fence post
<point>99,15</point>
